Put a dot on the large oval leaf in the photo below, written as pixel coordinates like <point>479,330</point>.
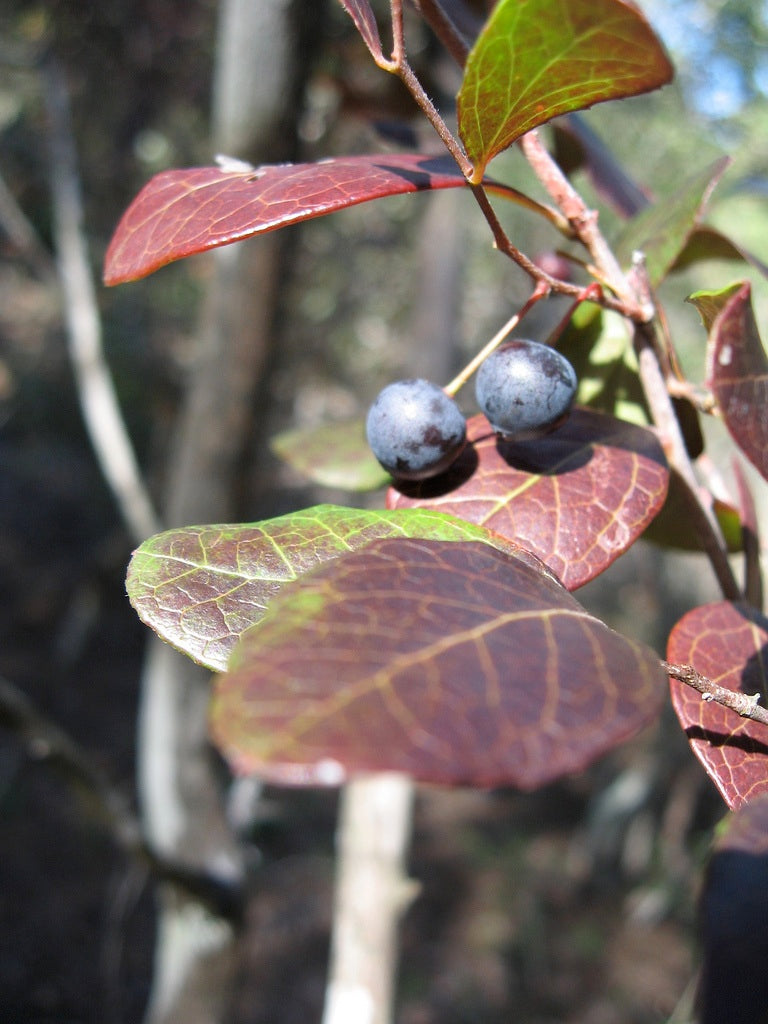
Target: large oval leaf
<point>737,373</point>
<point>201,587</point>
<point>728,643</point>
<point>455,663</point>
<point>577,498</point>
<point>182,212</point>
<point>537,59</point>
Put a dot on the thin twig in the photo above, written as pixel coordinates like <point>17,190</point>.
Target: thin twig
<point>449,140</point>
<point>23,236</point>
<point>744,704</point>
<point>585,223</point>
<point>663,414</point>
<point>96,391</point>
<point>504,245</point>
<point>46,741</point>
<point>581,221</point>
<point>639,307</point>
<point>540,292</point>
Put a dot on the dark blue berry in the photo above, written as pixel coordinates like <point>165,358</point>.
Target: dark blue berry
<point>415,430</point>
<point>525,389</point>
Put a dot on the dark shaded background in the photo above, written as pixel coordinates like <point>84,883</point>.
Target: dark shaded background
<point>573,905</point>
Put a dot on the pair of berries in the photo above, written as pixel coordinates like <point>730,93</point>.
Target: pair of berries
<point>524,388</point>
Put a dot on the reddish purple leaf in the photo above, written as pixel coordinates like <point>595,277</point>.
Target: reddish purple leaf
<point>577,498</point>
<point>457,663</point>
<point>182,212</point>
<point>727,643</point>
<point>737,373</point>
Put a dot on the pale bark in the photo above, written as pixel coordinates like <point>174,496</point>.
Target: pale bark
<point>372,891</point>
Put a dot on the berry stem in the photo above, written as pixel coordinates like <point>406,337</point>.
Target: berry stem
<point>539,292</point>
<point>592,293</point>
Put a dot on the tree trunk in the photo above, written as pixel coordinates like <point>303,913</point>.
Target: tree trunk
<point>258,77</point>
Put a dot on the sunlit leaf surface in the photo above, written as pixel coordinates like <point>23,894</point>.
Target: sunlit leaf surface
<point>365,21</point>
<point>182,212</point>
<point>598,344</point>
<point>201,587</point>
<point>728,644</point>
<point>455,663</point>
<point>711,303</point>
<point>537,59</point>
<point>577,498</point>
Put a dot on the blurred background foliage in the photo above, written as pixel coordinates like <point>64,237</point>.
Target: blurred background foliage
<point>581,912</point>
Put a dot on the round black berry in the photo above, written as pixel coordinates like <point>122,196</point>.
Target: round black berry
<point>415,430</point>
<point>525,389</point>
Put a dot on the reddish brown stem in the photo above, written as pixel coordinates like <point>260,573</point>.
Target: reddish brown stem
<point>453,36</point>
<point>504,245</point>
<point>666,422</point>
<point>584,223</point>
<point>539,292</point>
<point>592,293</point>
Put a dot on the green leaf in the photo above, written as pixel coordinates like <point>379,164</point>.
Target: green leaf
<point>333,455</point>
<point>661,231</point>
<point>456,663</point>
<point>710,303</point>
<point>536,59</point>
<point>598,345</point>
<point>201,587</point>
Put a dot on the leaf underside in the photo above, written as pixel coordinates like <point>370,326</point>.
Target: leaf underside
<point>577,498</point>
<point>456,663</point>
<point>728,643</point>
